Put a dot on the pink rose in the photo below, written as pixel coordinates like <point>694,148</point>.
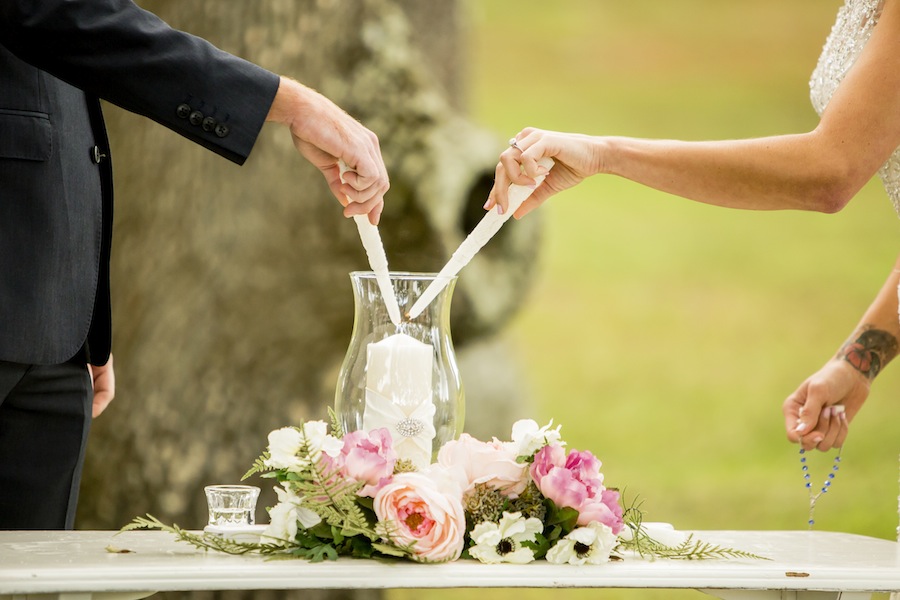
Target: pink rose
<point>492,463</point>
<point>575,481</point>
<point>424,510</point>
<point>368,457</point>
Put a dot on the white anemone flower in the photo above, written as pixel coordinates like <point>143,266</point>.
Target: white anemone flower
<point>502,542</point>
<point>591,544</point>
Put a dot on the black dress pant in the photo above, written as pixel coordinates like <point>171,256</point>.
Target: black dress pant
<point>45,415</point>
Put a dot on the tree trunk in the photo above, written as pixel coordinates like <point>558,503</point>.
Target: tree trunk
<point>231,295</point>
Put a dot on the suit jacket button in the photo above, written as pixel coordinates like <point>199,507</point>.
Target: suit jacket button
<point>196,117</point>
<point>97,155</point>
<point>222,130</point>
<point>209,124</point>
<point>183,111</point>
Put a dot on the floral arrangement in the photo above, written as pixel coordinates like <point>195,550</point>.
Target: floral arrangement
<point>499,501</point>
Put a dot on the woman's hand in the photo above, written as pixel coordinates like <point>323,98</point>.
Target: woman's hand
<point>576,157</point>
<point>809,414</point>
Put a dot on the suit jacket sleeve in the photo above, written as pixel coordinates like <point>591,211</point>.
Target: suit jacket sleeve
<point>117,51</point>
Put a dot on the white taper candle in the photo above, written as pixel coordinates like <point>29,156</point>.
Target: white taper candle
<point>490,224</point>
<point>371,241</point>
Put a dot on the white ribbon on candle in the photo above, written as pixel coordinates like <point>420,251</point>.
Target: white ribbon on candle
<point>490,224</point>
<point>411,428</point>
<point>399,376</point>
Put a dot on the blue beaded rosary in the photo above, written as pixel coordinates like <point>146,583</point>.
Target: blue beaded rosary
<point>813,497</point>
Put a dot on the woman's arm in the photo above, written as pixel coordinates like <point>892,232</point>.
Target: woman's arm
<point>845,379</point>
<point>819,170</point>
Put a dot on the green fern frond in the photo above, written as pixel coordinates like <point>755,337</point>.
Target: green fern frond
<point>697,549</point>
<point>259,466</point>
<point>690,549</point>
<point>337,430</point>
<point>386,531</point>
<point>330,496</point>
<point>202,541</point>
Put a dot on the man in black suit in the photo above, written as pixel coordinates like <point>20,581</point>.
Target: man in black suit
<point>57,59</point>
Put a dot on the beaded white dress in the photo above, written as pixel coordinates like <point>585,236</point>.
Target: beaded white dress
<point>854,24</point>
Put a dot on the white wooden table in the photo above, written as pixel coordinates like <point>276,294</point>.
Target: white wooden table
<point>75,565</point>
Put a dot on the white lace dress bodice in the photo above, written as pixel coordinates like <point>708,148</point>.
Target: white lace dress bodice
<point>854,24</point>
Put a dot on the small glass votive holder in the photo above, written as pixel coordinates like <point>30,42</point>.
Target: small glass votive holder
<point>231,505</point>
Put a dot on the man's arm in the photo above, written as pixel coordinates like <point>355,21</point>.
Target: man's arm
<point>128,56</point>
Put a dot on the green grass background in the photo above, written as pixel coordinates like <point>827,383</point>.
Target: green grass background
<point>664,334</point>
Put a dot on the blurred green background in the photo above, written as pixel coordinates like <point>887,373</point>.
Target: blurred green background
<point>664,334</point>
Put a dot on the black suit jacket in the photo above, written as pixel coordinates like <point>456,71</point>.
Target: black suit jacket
<point>57,59</point>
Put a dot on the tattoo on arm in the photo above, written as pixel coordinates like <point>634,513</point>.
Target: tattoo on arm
<point>870,352</point>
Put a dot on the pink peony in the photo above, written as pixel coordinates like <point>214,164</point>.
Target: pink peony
<point>547,458</point>
<point>575,481</point>
<point>423,510</point>
<point>603,509</point>
<point>492,463</point>
<point>368,457</point>
<point>586,468</point>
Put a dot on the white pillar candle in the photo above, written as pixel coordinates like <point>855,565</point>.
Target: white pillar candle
<point>399,368</point>
<point>399,372</point>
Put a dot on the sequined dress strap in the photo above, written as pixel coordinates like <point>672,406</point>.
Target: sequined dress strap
<point>852,29</point>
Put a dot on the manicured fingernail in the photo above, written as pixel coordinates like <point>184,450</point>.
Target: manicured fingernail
<point>826,412</point>
<point>801,427</point>
<point>499,210</point>
<point>487,204</point>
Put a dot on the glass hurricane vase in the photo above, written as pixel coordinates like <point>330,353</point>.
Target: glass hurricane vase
<point>401,378</point>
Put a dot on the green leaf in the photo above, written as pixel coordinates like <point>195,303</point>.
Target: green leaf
<point>361,547</point>
<point>337,535</point>
<point>567,517</point>
<point>322,553</point>
<point>554,533</point>
<point>389,550</point>
<point>540,546</point>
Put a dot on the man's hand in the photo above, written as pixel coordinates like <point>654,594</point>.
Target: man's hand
<point>103,380</point>
<point>324,134</point>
